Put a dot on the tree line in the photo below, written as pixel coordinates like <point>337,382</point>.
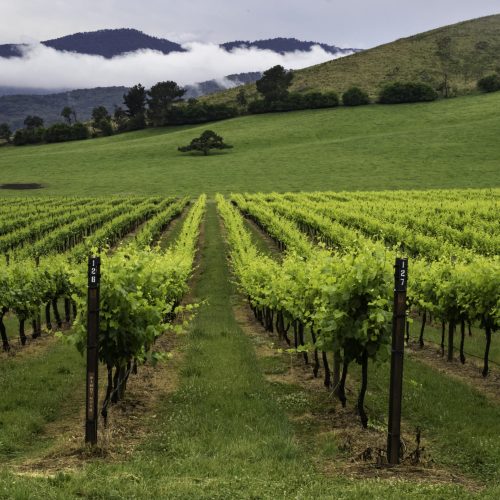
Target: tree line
<point>161,105</point>
<point>164,105</point>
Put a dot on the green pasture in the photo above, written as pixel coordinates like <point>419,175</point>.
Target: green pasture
<point>446,144</point>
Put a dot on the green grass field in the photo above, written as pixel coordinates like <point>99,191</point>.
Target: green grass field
<point>446,144</point>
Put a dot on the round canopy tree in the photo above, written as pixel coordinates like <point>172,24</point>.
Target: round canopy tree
<point>274,83</point>
<point>207,141</point>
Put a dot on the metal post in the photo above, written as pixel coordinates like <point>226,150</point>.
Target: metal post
<point>396,387</point>
<point>92,351</point>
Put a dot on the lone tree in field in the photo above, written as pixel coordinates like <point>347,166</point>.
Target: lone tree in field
<point>207,141</point>
<point>274,83</point>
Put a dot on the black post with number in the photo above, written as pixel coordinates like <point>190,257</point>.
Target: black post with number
<point>397,357</point>
<point>92,350</point>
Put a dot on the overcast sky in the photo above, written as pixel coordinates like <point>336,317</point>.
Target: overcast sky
<point>200,25</point>
<point>348,23</point>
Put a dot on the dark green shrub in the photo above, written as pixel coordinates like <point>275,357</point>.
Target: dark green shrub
<point>79,132</point>
<point>136,122</point>
<point>26,136</point>
<point>62,132</point>
<point>355,97</point>
<point>197,112</point>
<point>490,83</point>
<point>316,100</point>
<point>59,132</point>
<point>258,106</point>
<point>399,92</point>
<point>105,126</point>
<point>294,102</point>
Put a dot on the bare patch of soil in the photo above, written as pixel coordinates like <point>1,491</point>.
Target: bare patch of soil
<point>21,186</point>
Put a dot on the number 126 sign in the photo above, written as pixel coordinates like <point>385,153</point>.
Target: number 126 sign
<point>94,271</point>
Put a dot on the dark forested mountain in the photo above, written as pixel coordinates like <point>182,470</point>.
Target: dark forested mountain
<point>111,43</point>
<point>106,43</point>
<point>284,45</point>
<point>9,50</point>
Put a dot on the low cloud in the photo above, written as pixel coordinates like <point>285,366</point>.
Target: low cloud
<point>44,67</point>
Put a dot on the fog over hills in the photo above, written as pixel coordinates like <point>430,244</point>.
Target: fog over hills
<point>115,42</point>
<point>85,70</point>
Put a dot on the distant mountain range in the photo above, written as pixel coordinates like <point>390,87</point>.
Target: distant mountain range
<point>115,42</point>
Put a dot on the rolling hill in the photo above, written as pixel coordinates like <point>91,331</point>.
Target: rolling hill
<point>471,49</point>
<point>445,144</point>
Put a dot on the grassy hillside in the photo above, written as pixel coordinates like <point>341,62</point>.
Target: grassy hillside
<point>474,50</point>
<point>445,144</point>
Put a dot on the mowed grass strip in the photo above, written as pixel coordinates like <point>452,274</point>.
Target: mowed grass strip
<point>446,144</point>
<point>38,388</point>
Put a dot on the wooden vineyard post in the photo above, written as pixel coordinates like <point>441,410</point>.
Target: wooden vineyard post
<point>92,350</point>
<point>397,357</point>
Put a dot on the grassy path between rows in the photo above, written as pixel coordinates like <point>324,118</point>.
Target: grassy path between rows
<point>222,433</point>
<point>38,387</point>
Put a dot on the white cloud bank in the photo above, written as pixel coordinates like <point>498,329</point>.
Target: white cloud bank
<point>44,67</point>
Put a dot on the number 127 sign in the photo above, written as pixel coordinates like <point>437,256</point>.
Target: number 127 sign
<point>401,275</point>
